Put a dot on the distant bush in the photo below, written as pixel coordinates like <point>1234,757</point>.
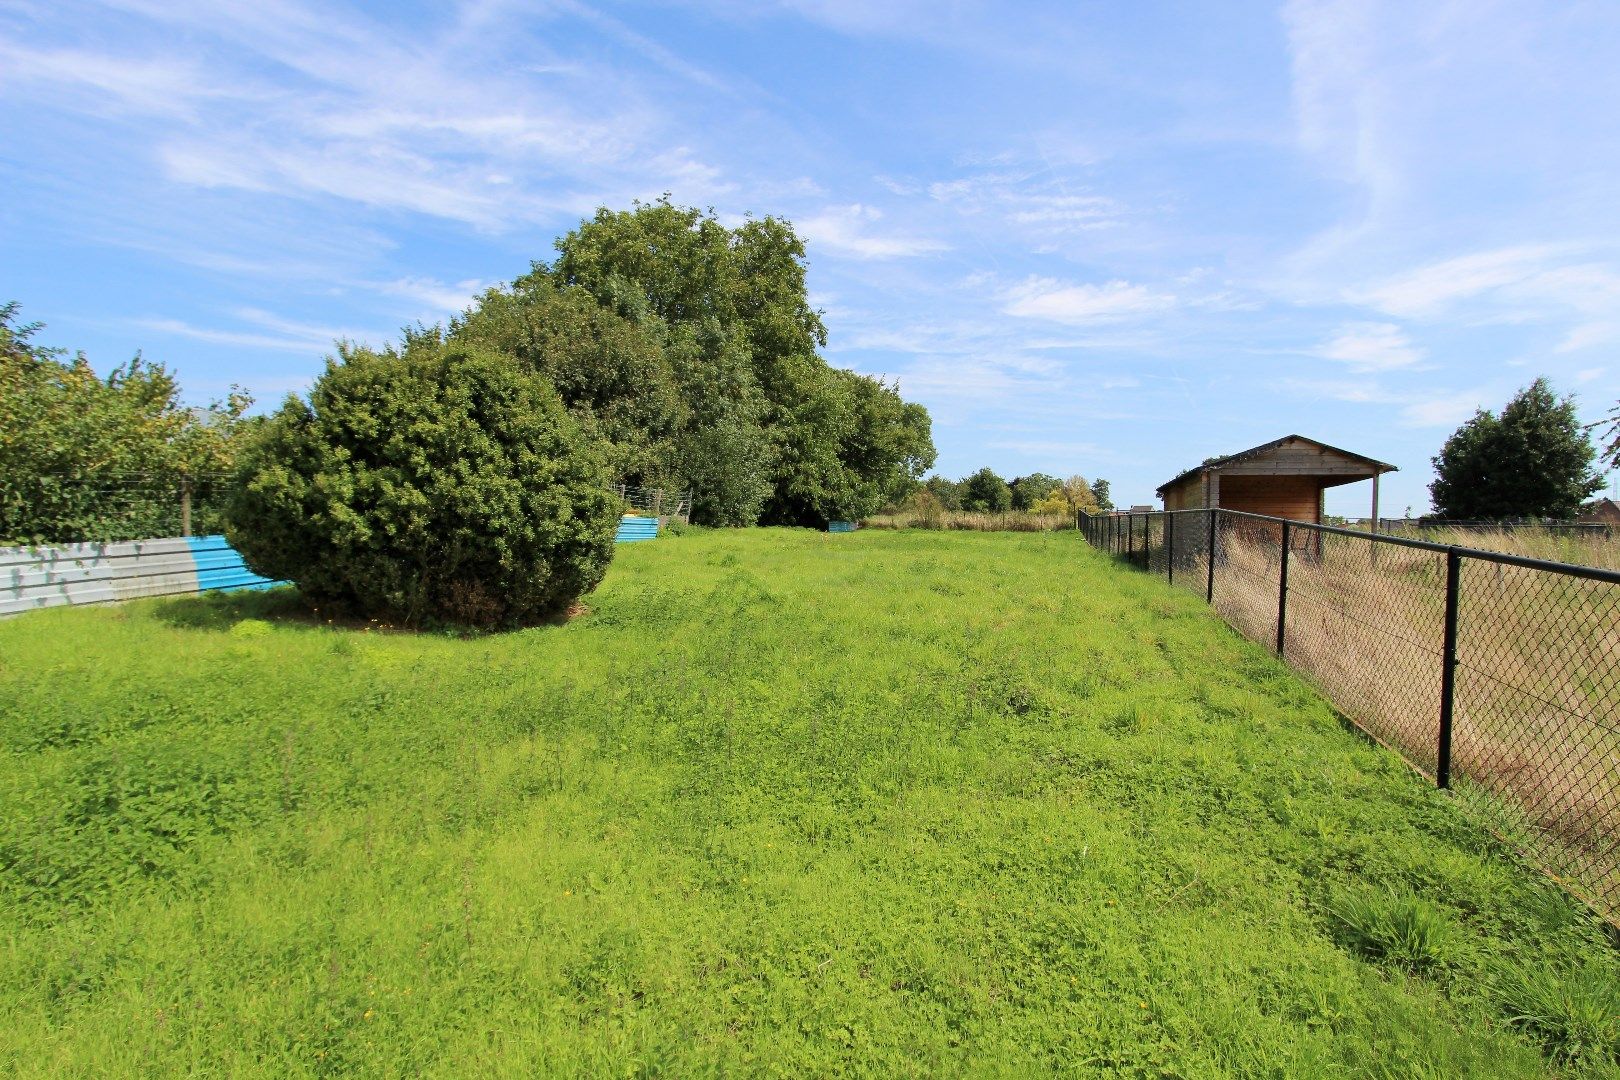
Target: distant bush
<point>435,483</point>
<point>924,510</point>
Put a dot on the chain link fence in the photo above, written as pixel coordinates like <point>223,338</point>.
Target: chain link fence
<point>1495,675</point>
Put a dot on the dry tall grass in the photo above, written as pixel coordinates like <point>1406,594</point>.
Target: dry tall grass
<point>1535,736</point>
<point>1584,549</point>
<point>1011,521</point>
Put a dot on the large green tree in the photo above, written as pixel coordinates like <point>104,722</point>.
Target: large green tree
<point>1611,449</point>
<point>1534,460</point>
<point>769,430</point>
<point>614,373</point>
<point>948,492</point>
<point>1101,494</point>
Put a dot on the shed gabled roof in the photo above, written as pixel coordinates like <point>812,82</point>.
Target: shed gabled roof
<point>1373,464</point>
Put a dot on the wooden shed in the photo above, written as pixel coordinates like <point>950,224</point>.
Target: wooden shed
<point>1285,478</point>
<point>1603,512</point>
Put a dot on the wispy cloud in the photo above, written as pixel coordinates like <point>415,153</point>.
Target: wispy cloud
<point>1443,410</point>
<point>1033,198</point>
<point>439,298</point>
<point>1556,283</point>
<point>284,335</point>
<point>1079,305</point>
<point>848,230</point>
<point>1430,289</point>
<point>1371,347</point>
<point>382,117</point>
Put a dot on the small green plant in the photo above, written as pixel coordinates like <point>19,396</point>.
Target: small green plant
<point>1406,931</point>
<point>1575,1014</point>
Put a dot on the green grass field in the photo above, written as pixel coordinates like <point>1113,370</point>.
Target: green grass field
<point>780,803</point>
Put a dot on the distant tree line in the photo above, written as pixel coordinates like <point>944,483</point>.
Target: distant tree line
<point>986,492</point>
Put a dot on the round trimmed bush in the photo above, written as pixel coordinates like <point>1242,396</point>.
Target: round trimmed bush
<point>440,483</point>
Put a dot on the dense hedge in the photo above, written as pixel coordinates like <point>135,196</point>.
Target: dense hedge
<point>86,457</point>
<point>433,483</point>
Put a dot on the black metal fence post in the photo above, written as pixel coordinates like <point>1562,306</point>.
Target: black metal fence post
<point>1448,670</point>
<point>1209,589</point>
<point>1130,536</point>
<point>1282,589</point>
<point>1170,548</point>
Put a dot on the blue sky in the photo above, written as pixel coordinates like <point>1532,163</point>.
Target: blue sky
<point>1106,238</point>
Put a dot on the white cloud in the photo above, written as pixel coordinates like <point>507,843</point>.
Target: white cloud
<point>1520,284</point>
<point>1354,391</point>
<point>171,85</point>
<point>1078,305</point>
<point>845,230</point>
<point>284,335</point>
<point>1343,100</point>
<point>214,336</point>
<point>1371,347</point>
<point>312,101</point>
<point>1034,198</point>
<point>1443,410</point>
<point>439,297</point>
<point>1429,289</point>
<point>1587,335</point>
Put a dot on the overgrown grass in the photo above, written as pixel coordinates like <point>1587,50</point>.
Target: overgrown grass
<point>895,803</point>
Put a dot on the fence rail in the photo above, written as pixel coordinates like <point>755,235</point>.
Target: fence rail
<point>1495,675</point>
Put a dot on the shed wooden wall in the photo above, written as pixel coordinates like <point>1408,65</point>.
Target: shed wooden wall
<point>1187,495</point>
<point>1298,498</point>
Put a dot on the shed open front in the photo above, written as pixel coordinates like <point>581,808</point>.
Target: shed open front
<point>1285,478</point>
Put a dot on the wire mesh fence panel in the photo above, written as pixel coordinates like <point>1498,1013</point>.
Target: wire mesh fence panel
<point>1537,693</point>
<point>1188,547</point>
<point>1533,745</point>
<point>1247,573</point>
<point>1155,558</point>
<point>108,508</point>
<point>1366,623</point>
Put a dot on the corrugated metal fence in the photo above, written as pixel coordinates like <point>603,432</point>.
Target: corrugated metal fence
<point>633,528</point>
<point>64,574</point>
<point>57,575</point>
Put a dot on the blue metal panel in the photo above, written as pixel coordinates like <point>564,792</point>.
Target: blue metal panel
<point>840,526</point>
<point>636,528</point>
<point>220,566</point>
